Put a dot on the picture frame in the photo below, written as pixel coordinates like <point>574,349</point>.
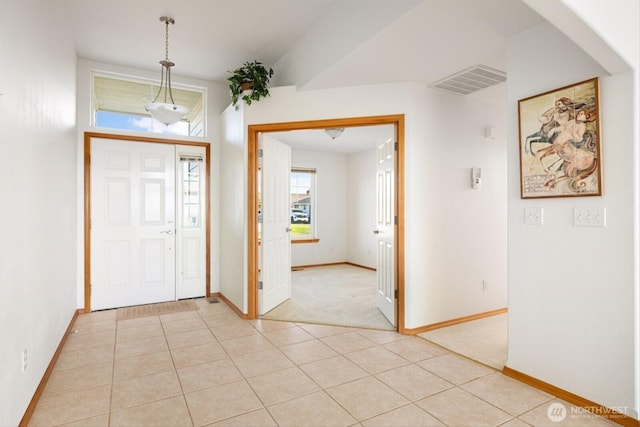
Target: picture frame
<point>560,147</point>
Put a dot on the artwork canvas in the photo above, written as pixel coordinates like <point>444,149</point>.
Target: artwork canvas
<point>560,142</point>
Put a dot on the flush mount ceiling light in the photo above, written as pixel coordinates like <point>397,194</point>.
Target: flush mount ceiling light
<point>334,132</point>
<point>166,112</point>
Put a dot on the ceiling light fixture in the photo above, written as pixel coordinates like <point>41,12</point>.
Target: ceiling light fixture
<point>165,112</point>
<point>334,132</point>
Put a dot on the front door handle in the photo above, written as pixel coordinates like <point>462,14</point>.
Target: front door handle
<point>169,232</point>
<point>377,232</point>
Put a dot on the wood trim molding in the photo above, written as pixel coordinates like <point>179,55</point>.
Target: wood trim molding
<point>87,221</point>
<point>252,221</point>
<point>87,202</point>
<point>47,373</point>
<point>231,305</point>
<point>207,218</point>
<point>456,321</point>
<point>298,241</point>
<point>400,320</point>
<point>361,266</point>
<point>327,264</point>
<point>397,120</point>
<point>574,399</point>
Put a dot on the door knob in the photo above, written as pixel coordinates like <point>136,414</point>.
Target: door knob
<point>377,232</point>
<point>167,232</point>
<point>288,229</point>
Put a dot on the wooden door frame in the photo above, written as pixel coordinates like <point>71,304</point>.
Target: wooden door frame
<point>87,202</point>
<point>252,198</point>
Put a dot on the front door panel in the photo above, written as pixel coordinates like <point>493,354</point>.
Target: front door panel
<point>132,223</point>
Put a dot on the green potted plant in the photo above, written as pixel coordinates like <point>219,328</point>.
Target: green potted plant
<point>252,80</point>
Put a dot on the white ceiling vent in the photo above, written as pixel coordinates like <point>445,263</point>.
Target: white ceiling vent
<point>470,80</point>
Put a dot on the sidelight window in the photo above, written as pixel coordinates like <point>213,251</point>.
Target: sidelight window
<point>191,197</point>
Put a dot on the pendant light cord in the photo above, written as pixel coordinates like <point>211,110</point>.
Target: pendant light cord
<point>165,78</point>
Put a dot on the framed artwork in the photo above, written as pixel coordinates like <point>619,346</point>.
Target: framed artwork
<point>560,142</point>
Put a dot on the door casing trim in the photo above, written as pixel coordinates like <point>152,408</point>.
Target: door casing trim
<point>87,202</point>
<point>252,198</point>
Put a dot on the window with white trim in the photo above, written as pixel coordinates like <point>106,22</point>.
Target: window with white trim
<point>303,218</point>
<point>118,103</point>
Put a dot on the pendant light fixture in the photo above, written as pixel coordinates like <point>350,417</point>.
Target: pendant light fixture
<point>166,112</point>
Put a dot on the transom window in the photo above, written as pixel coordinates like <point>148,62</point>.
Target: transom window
<point>118,103</point>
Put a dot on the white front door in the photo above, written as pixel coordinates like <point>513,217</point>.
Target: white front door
<point>385,230</point>
<point>275,251</point>
<point>132,223</point>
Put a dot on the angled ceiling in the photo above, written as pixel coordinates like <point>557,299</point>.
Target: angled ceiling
<point>209,37</point>
<point>313,44</point>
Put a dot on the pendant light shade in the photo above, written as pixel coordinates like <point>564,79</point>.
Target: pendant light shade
<point>166,112</point>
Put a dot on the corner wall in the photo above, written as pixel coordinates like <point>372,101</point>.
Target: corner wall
<point>571,289</point>
<point>233,212</point>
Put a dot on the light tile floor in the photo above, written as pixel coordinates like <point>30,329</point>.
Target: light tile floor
<point>484,340</point>
<point>211,368</point>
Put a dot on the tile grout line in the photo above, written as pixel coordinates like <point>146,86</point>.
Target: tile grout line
<point>113,367</point>
<point>175,370</point>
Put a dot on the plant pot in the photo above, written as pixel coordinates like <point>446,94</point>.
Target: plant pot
<point>246,86</point>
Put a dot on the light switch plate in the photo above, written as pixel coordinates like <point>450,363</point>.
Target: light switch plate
<point>590,217</point>
<point>533,216</point>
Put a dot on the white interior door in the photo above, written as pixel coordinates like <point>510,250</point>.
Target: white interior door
<point>385,230</point>
<point>276,238</point>
<point>132,223</point>
<point>191,281</point>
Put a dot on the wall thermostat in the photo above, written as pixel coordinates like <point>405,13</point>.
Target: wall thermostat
<point>476,178</point>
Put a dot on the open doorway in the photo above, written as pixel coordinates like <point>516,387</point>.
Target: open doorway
<point>392,255</point>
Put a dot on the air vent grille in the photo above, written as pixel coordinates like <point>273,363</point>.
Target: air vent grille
<point>470,80</point>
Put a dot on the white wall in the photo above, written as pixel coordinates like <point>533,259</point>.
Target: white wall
<point>233,201</point>
<point>333,35</point>
<point>345,206</point>
<point>37,183</point>
<point>571,289</point>
<point>330,210</point>
<point>361,208</point>
<point>455,236</point>
<point>217,97</point>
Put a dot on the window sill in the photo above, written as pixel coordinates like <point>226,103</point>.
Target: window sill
<point>294,242</point>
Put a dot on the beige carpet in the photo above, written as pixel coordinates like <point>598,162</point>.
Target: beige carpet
<point>337,295</point>
<point>155,309</point>
<point>483,340</point>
